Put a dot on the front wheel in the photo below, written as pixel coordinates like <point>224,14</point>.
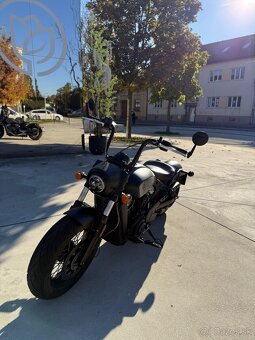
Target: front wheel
<point>56,263</point>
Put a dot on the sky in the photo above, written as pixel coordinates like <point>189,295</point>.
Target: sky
<point>46,27</point>
<point>43,29</point>
<point>225,19</point>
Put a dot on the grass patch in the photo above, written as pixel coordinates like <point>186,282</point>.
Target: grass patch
<point>164,133</point>
<point>129,140</point>
<point>45,121</point>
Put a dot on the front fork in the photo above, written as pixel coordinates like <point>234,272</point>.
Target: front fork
<point>101,225</point>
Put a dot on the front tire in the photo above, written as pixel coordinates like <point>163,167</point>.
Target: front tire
<point>54,267</point>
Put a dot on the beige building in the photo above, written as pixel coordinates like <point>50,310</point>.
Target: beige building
<point>228,83</point>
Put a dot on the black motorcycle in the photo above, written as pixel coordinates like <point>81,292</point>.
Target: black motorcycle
<point>128,196</point>
<point>19,128</point>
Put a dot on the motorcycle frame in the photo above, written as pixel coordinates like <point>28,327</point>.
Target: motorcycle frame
<point>79,209</point>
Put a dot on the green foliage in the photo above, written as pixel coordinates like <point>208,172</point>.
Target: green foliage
<point>178,57</point>
<point>96,59</point>
<point>178,80</point>
<point>128,25</point>
<point>147,37</point>
<point>33,103</point>
<point>67,98</point>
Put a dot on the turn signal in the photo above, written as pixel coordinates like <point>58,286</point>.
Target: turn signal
<point>79,175</point>
<point>126,199</point>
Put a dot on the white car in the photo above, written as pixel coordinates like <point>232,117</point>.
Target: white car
<point>44,114</point>
<point>16,115</point>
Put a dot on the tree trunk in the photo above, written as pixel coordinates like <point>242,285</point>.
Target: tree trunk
<point>129,109</point>
<point>168,116</point>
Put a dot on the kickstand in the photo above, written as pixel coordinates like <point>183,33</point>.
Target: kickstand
<point>154,242</point>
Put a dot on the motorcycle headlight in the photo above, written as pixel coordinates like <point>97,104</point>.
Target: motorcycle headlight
<point>96,183</point>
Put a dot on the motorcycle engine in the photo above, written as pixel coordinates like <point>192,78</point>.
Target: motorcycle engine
<point>13,127</point>
<point>138,212</point>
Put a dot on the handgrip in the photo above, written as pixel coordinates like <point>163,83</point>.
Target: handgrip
<point>184,152</point>
<point>163,149</point>
<point>166,143</point>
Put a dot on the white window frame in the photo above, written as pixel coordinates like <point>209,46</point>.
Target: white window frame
<point>213,102</point>
<point>174,103</point>
<point>234,101</point>
<point>237,73</point>
<point>215,75</point>
<point>137,105</point>
<point>158,104</point>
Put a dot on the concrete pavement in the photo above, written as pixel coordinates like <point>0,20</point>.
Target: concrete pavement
<point>200,285</point>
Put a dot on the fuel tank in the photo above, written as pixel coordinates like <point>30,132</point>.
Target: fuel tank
<point>141,180</point>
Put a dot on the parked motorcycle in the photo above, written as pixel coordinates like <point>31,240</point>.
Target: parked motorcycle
<point>19,128</point>
<point>128,196</point>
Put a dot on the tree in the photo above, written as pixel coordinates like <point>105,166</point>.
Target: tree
<point>96,56</point>
<point>142,31</point>
<point>14,85</point>
<point>34,100</point>
<point>175,72</point>
<point>128,25</point>
<point>62,99</point>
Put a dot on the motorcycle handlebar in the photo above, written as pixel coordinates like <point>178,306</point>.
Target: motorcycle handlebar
<point>168,144</point>
<point>157,143</point>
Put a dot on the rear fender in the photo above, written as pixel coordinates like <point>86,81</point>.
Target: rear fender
<point>83,215</point>
<point>33,125</point>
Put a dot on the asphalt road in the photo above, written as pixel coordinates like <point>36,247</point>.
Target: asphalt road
<point>200,285</point>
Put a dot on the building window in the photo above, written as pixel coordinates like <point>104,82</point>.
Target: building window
<point>213,101</point>
<point>158,104</point>
<point>137,105</point>
<point>215,75</point>
<point>237,73</point>
<point>234,101</point>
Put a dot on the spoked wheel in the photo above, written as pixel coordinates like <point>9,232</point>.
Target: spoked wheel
<point>56,263</point>
<point>35,133</point>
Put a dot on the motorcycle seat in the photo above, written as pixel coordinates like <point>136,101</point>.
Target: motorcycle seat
<point>164,171</point>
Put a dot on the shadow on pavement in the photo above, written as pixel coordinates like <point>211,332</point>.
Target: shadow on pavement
<point>98,303</point>
<point>30,149</point>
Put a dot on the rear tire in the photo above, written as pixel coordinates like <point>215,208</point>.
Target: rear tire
<point>1,131</point>
<point>35,133</point>
<point>54,267</point>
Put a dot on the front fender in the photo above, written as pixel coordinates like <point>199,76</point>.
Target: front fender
<point>83,215</point>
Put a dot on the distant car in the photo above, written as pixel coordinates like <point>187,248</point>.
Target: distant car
<point>16,115</point>
<point>44,114</point>
<point>77,113</point>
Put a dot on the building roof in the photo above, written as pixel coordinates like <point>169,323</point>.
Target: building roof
<point>232,49</point>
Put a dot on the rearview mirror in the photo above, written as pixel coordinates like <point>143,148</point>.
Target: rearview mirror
<point>200,138</point>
